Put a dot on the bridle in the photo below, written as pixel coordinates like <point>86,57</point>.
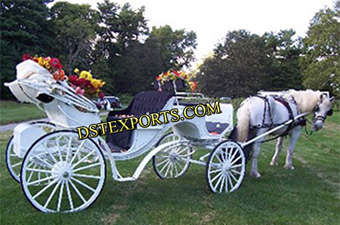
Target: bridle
<point>321,117</point>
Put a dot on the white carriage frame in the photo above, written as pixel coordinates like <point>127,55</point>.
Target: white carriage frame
<point>62,112</point>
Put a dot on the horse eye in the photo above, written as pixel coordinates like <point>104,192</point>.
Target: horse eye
<point>316,108</point>
<point>330,112</point>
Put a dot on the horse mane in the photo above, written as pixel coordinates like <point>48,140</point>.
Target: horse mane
<point>306,100</point>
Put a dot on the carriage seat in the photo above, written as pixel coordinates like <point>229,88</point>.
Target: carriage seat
<point>142,103</point>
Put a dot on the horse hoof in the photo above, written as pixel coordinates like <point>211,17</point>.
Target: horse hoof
<point>289,167</point>
<point>255,174</point>
<point>273,163</point>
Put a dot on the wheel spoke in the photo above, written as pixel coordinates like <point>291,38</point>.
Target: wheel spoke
<point>230,182</point>
<point>68,149</point>
<point>236,160</point>
<point>83,184</point>
<point>232,157</point>
<point>218,182</point>
<point>179,164</point>
<point>17,164</point>
<point>168,168</point>
<point>221,187</point>
<point>235,166</point>
<point>58,147</point>
<point>162,162</point>
<point>176,170</point>
<point>232,175</point>
<point>213,179</point>
<point>69,195</point>
<point>235,171</point>
<point>51,195</point>
<point>77,191</point>
<point>215,171</point>
<point>77,151</point>
<point>44,189</point>
<point>48,164</point>
<point>226,178</point>
<point>85,157</point>
<point>39,170</point>
<point>60,196</point>
<point>41,180</point>
<point>165,166</point>
<point>86,176</point>
<point>87,167</point>
<point>30,176</point>
<point>49,152</point>
<point>218,158</point>
<point>178,153</point>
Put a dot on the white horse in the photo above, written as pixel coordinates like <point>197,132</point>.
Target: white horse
<point>257,115</point>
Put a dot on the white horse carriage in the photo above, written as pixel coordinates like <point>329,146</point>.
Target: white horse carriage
<point>60,173</point>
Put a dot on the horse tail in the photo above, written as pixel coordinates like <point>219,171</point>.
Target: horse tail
<point>243,120</point>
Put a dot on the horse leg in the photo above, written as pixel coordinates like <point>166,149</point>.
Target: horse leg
<point>293,139</point>
<point>256,151</point>
<point>277,151</point>
<point>254,170</point>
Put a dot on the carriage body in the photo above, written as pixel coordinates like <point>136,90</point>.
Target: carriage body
<point>57,155</point>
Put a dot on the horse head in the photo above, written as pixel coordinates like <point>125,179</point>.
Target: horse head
<point>321,110</point>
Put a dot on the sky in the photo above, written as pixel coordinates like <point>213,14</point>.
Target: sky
<point>212,19</point>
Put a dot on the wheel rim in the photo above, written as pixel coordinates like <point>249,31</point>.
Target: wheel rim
<point>62,174</point>
<point>14,162</point>
<point>174,161</point>
<point>226,167</point>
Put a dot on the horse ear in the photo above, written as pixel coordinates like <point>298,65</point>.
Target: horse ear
<point>321,98</point>
<point>331,99</point>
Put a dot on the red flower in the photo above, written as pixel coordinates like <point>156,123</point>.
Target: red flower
<point>101,95</point>
<point>194,86</point>
<point>26,56</point>
<point>176,73</point>
<point>55,63</point>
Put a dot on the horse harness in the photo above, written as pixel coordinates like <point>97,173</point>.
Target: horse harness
<point>267,108</point>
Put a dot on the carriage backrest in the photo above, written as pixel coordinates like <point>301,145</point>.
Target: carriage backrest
<point>149,102</point>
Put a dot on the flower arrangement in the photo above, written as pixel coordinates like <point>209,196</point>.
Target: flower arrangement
<point>173,75</point>
<point>51,64</point>
<point>86,85</point>
<point>83,83</point>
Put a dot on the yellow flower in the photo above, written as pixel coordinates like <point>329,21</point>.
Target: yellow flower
<point>89,76</point>
<point>83,74</point>
<point>46,62</point>
<point>40,61</point>
<point>76,70</point>
<point>96,83</point>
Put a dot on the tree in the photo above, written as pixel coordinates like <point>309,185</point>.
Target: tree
<point>239,66</point>
<point>75,33</point>
<point>120,28</point>
<point>24,28</point>
<point>284,52</point>
<point>320,61</point>
<point>177,47</point>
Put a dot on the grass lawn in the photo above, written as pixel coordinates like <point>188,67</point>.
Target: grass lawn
<point>11,111</point>
<point>307,195</point>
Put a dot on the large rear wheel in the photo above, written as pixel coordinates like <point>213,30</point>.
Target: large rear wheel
<point>63,174</point>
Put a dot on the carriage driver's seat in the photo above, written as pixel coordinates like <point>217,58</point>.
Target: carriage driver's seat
<point>142,103</point>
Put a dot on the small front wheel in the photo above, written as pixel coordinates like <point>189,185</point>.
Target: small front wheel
<point>172,162</point>
<point>226,167</point>
<point>13,162</point>
<point>61,173</point>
